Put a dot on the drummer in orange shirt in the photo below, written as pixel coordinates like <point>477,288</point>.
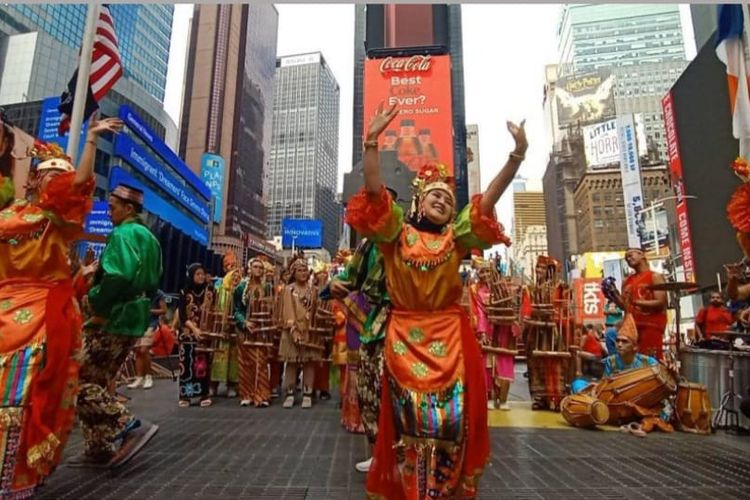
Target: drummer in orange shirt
<point>714,318</point>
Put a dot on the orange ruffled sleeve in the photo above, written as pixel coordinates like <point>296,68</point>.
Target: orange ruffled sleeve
<point>376,217</point>
<point>474,230</point>
<point>67,202</point>
<point>738,209</point>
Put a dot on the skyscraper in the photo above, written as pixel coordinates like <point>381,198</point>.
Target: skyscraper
<point>528,210</point>
<point>304,145</point>
<point>143,33</point>
<point>393,26</point>
<point>642,45</point>
<point>39,45</point>
<point>227,112</point>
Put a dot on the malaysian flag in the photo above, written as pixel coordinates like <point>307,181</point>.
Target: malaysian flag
<point>106,69</point>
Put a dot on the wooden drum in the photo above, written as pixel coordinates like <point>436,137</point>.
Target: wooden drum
<point>583,410</point>
<point>644,388</point>
<point>693,408</point>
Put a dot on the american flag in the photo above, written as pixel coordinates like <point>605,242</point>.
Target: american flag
<point>106,70</point>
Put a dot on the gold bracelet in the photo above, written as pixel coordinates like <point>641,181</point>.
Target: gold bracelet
<point>516,156</point>
<point>370,144</point>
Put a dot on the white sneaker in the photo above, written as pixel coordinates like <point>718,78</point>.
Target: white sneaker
<point>135,384</point>
<point>490,404</point>
<point>148,382</point>
<point>364,466</point>
<point>245,402</point>
<point>505,406</point>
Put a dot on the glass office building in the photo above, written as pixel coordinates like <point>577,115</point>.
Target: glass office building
<point>143,32</point>
<point>643,45</point>
<point>304,146</point>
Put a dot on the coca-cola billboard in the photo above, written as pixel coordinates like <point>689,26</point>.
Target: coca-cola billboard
<point>420,86</point>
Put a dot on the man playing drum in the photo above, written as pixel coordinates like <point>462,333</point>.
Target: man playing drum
<point>627,356</point>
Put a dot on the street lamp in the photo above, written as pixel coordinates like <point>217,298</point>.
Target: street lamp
<point>652,209</point>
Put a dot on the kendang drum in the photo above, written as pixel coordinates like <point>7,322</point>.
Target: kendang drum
<point>583,410</point>
<point>693,408</point>
<point>629,393</point>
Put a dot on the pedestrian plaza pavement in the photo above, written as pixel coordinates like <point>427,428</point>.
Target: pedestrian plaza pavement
<point>231,452</point>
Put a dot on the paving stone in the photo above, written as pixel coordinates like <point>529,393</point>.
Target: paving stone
<point>230,452</point>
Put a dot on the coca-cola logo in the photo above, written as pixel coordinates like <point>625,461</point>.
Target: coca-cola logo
<point>401,64</point>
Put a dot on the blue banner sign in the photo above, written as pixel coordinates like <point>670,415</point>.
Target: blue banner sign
<point>146,164</point>
<point>148,136</point>
<point>98,221</point>
<point>50,120</point>
<point>301,233</point>
<point>156,205</point>
<point>212,173</point>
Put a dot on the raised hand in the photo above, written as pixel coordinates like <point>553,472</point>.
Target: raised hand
<point>733,270</point>
<point>98,127</point>
<point>519,136</point>
<point>381,120</point>
<point>90,269</point>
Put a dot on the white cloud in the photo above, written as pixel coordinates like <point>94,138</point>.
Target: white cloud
<point>183,13</point>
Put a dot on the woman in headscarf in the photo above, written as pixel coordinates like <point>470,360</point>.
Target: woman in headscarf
<point>296,304</point>
<point>195,362</point>
<point>434,441</point>
<point>40,318</point>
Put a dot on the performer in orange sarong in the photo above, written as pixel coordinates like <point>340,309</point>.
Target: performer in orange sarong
<point>40,319</point>
<point>433,439</point>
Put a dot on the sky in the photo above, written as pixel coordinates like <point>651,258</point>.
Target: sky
<point>506,48</point>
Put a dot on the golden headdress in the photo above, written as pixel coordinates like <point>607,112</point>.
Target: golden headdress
<point>320,267</point>
<point>51,157</point>
<point>478,262</point>
<point>255,259</point>
<point>229,261</point>
<point>299,262</point>
<point>546,261</point>
<point>431,176</point>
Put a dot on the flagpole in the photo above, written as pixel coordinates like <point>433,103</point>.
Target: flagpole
<point>82,82</point>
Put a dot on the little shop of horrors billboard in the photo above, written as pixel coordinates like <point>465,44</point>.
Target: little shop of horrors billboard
<point>420,86</point>
<point>585,98</point>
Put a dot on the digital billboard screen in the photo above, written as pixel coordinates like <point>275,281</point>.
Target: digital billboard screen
<point>301,233</point>
<point>420,86</point>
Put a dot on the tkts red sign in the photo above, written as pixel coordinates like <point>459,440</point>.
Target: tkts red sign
<point>401,64</point>
<point>589,300</point>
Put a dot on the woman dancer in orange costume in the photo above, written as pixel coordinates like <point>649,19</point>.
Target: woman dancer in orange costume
<point>434,442</point>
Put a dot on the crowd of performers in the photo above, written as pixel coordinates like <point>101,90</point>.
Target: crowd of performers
<point>420,354</point>
<point>257,331</point>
